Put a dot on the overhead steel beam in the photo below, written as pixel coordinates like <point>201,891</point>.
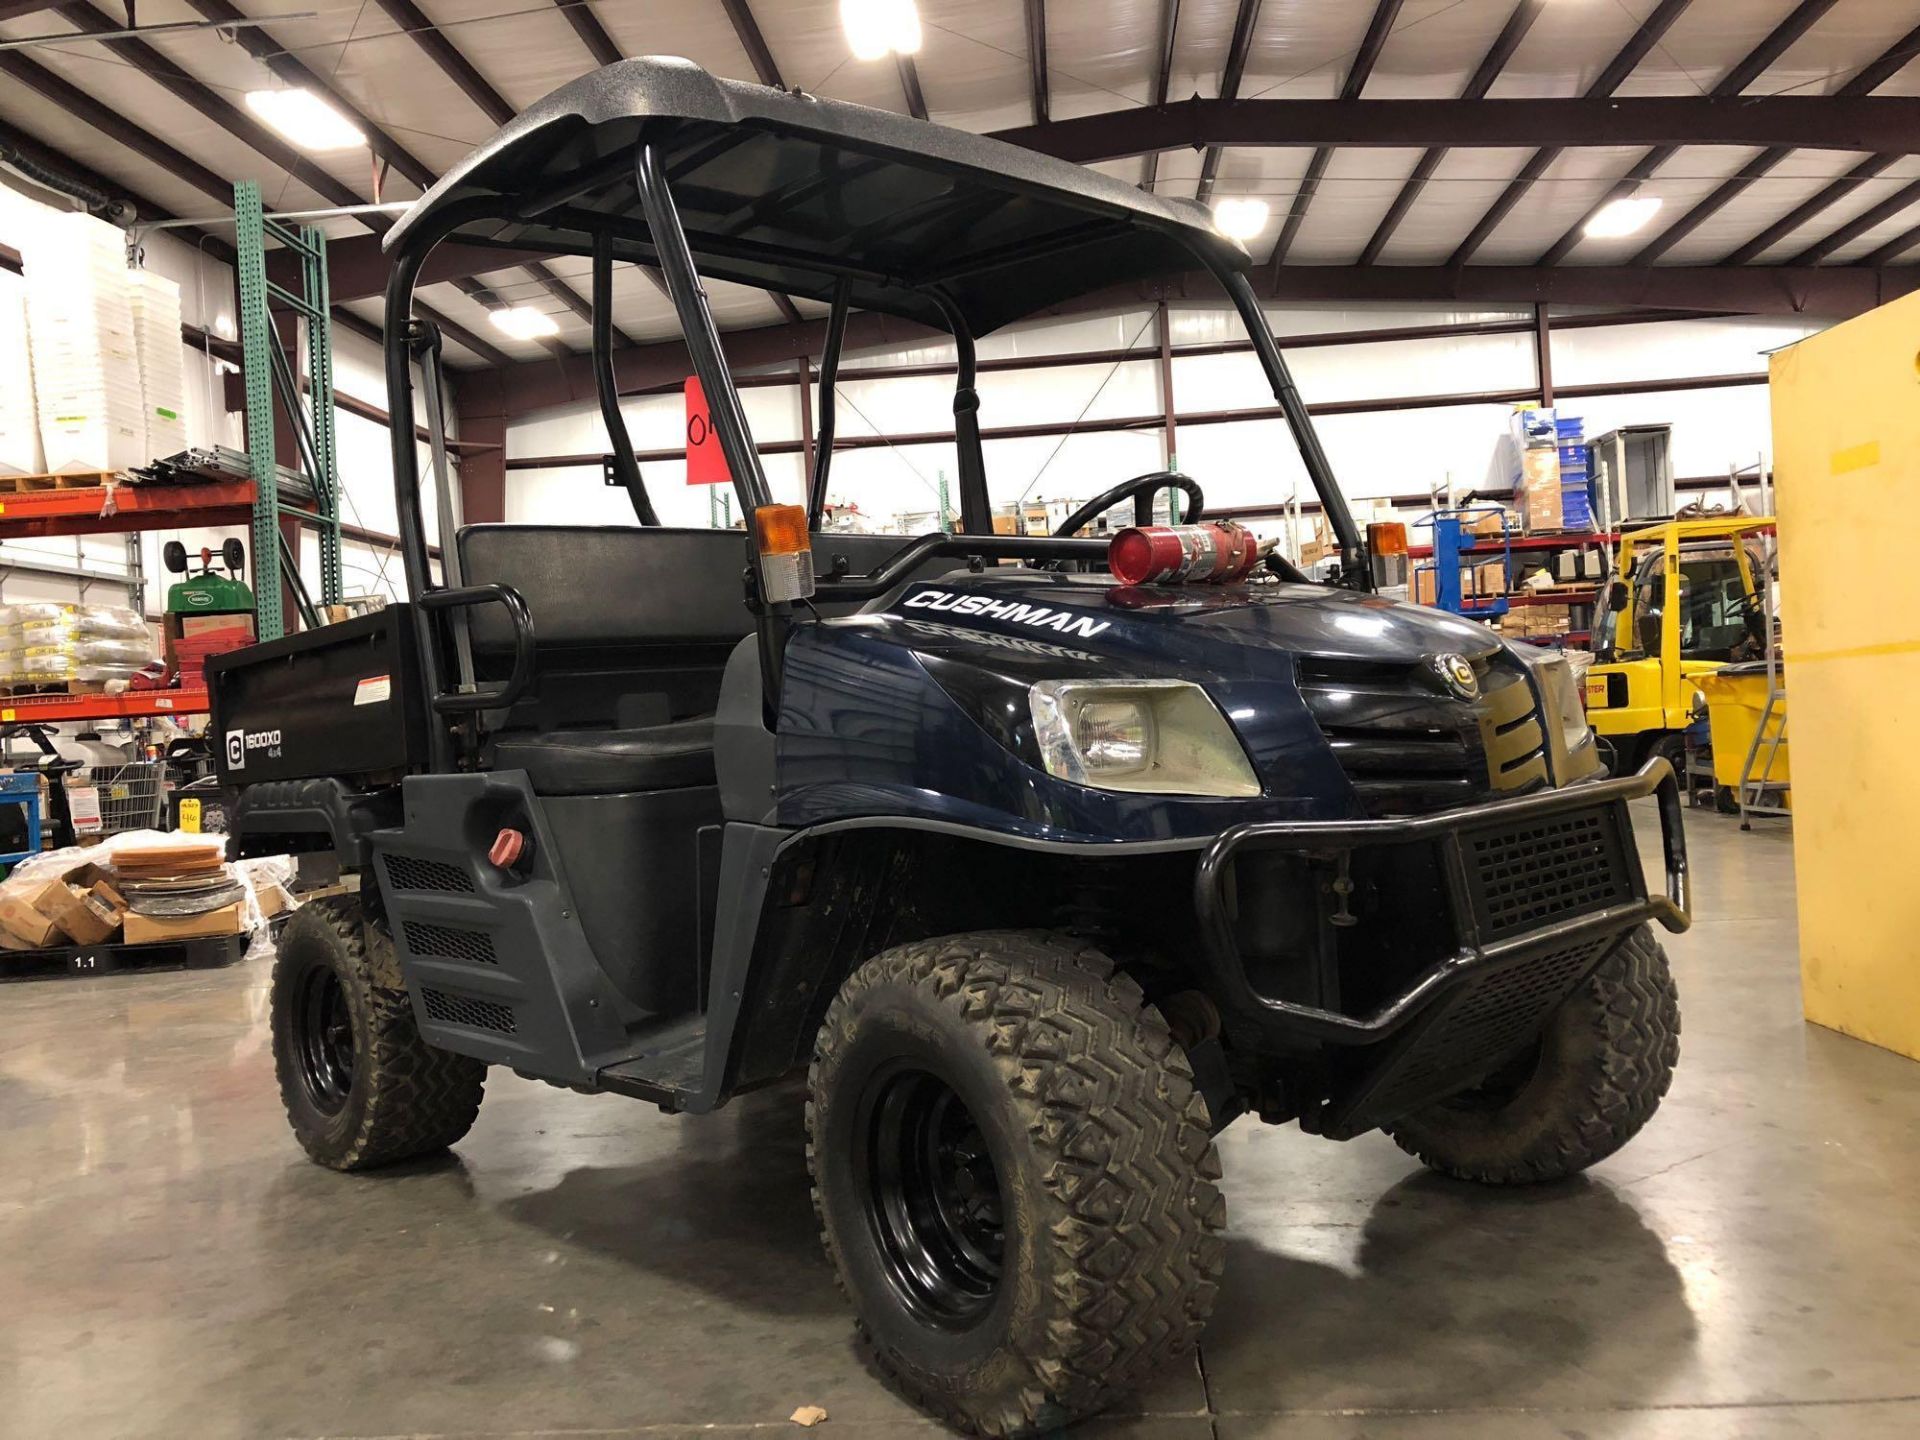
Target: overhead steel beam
<point>910,85</point>
<point>1827,291</point>
<point>265,48</point>
<point>1893,249</point>
<point>1364,59</point>
<point>1808,122</point>
<point>1828,196</point>
<point>753,42</point>
<point>452,63</point>
<point>446,55</point>
<point>1757,61</point>
<point>1036,14</point>
<point>1610,79</point>
<point>1495,60</point>
<point>150,62</point>
<point>522,388</point>
<point>82,105</point>
<point>18,9</point>
<point>1882,69</point>
<point>592,33</point>
<point>51,159</point>
<point>1244,20</point>
<point>1163,78</point>
<point>1663,292</point>
<point>1873,216</point>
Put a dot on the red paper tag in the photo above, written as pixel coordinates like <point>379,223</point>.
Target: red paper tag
<point>705,464</point>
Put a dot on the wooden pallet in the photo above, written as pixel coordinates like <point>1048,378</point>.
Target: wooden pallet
<point>79,480</point>
<point>78,962</point>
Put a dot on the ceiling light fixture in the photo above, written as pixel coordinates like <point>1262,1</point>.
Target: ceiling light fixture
<point>307,120</point>
<point>1622,217</point>
<point>1240,217</point>
<point>877,28</point>
<point>523,322</point>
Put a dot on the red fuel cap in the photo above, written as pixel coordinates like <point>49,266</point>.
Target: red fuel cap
<point>508,846</point>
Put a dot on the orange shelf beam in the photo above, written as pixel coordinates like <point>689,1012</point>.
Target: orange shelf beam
<point>132,704</point>
<point>100,510</point>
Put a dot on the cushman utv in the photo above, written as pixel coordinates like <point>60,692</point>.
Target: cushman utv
<point>1041,871</point>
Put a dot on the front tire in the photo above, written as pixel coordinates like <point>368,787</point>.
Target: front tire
<point>360,1087</point>
<point>1589,1086</point>
<point>1014,1175</point>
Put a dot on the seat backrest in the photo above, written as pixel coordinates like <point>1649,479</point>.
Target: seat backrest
<point>605,586</point>
<point>631,624</point>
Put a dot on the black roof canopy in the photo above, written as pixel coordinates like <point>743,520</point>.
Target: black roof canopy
<point>791,193</point>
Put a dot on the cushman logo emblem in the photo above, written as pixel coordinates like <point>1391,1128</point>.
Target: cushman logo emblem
<point>1041,617</point>
<point>1456,673</point>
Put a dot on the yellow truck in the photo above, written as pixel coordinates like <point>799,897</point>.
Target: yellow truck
<point>1685,598</point>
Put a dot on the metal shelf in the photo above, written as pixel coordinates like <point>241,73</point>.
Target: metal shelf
<point>129,705</point>
<point>117,509</point>
<point>1521,542</point>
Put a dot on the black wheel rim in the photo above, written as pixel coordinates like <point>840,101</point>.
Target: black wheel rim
<point>324,1040</point>
<point>932,1197</point>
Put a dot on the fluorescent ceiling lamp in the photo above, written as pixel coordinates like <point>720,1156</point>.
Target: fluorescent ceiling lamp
<point>305,119</point>
<point>1239,218</point>
<point>1622,217</point>
<point>876,28</point>
<point>523,322</point>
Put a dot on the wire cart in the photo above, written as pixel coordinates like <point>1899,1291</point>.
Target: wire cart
<point>130,795</point>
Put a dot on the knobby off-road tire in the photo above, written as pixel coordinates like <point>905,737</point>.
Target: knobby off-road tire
<point>361,1088</point>
<point>1089,1146</point>
<point>1601,1067</point>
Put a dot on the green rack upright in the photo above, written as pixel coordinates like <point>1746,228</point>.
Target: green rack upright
<point>311,414</point>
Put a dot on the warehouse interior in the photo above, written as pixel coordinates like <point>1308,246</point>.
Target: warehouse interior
<point>1000,885</point>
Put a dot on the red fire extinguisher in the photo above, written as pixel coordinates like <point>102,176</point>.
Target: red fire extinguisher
<point>1214,552</point>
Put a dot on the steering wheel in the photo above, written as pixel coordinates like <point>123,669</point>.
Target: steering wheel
<point>1140,485</point>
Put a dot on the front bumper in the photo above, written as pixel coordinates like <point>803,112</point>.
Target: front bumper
<point>1537,892</point>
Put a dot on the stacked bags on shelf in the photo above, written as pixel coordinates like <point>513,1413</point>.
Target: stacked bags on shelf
<point>86,365</point>
<point>83,645</point>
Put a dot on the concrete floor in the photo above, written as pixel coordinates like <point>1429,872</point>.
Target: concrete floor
<point>170,1265</point>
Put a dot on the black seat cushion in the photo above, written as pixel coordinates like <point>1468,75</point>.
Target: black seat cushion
<point>606,762</point>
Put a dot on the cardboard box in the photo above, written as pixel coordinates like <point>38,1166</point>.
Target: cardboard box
<point>23,926</point>
<point>86,914</point>
<point>1491,524</point>
<point>148,929</point>
<point>1490,578</point>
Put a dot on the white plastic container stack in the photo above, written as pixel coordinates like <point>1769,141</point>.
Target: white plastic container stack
<point>19,424</point>
<point>163,378</point>
<point>86,369</point>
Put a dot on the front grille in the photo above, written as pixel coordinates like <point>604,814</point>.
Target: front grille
<point>404,872</point>
<point>449,942</point>
<point>1546,870</point>
<point>1483,1025</point>
<point>446,1009</point>
<point>1410,747</point>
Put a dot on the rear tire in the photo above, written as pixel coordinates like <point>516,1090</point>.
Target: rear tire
<point>1592,1082</point>
<point>1014,1175</point>
<point>360,1087</point>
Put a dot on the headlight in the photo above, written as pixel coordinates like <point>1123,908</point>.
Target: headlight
<point>1156,736</point>
<point>1560,694</point>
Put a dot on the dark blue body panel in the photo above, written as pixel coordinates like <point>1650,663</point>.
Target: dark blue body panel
<point>916,707</point>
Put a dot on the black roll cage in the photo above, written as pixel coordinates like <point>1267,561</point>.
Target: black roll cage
<point>407,338</point>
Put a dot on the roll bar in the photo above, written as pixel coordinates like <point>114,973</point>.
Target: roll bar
<point>665,235</point>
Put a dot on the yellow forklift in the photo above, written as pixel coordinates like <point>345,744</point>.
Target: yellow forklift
<point>1685,599</point>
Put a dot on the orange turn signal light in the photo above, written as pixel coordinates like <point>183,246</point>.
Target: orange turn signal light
<point>781,529</point>
<point>1387,537</point>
